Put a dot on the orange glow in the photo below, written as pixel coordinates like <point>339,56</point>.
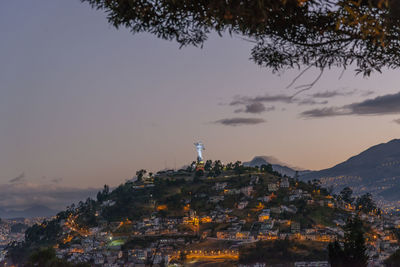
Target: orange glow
<point>187,207</point>
<point>67,239</point>
<point>161,207</point>
<point>206,219</point>
<point>76,250</point>
<point>260,206</point>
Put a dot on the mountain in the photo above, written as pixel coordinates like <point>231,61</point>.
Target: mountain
<point>375,170</point>
<point>277,165</point>
<point>33,211</point>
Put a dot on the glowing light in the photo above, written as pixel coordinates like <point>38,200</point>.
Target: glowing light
<point>199,148</point>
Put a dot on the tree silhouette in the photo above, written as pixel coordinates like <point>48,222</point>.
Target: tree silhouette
<point>346,195</point>
<point>285,33</point>
<point>353,251</point>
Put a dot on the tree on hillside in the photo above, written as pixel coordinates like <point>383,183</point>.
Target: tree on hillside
<point>140,174</point>
<point>218,167</point>
<point>238,167</point>
<point>365,203</point>
<point>266,168</point>
<point>285,33</point>
<point>353,251</point>
<point>208,165</point>
<point>46,257</point>
<point>393,260</point>
<point>102,195</point>
<point>346,195</point>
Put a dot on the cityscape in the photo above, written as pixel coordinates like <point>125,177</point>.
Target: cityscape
<point>198,133</point>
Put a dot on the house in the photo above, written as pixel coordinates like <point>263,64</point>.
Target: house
<point>272,187</point>
<point>220,186</point>
<point>242,205</point>
<point>264,215</point>
<point>276,210</point>
<point>247,190</point>
<point>284,183</point>
<point>216,199</point>
<point>295,227</point>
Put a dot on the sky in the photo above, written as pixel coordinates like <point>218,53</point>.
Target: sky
<point>83,104</point>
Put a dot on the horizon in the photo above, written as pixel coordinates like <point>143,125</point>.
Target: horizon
<point>87,105</point>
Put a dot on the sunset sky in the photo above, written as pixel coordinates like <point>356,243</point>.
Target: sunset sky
<point>83,104</point>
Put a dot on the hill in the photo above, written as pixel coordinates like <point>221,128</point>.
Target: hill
<point>178,215</point>
<point>375,170</point>
<point>30,212</point>
<point>277,165</point>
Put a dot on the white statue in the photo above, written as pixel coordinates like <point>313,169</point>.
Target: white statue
<point>199,148</point>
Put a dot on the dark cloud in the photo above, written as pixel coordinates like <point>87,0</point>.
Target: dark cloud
<point>397,121</point>
<point>240,121</point>
<point>255,104</point>
<point>322,112</point>
<point>24,195</point>
<point>18,179</point>
<point>273,98</point>
<point>244,100</point>
<point>310,102</point>
<point>333,93</point>
<point>381,105</point>
<point>255,107</point>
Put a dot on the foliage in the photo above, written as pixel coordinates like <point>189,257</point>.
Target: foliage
<point>46,257</point>
<point>140,175</point>
<point>365,203</point>
<point>103,195</point>
<point>346,195</point>
<point>393,260</point>
<point>285,33</point>
<point>281,252</point>
<point>18,227</point>
<point>353,251</point>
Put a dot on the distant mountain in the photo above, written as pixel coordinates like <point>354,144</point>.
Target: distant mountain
<point>33,211</point>
<point>376,170</point>
<point>277,165</point>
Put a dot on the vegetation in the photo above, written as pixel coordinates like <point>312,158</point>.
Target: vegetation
<point>285,33</point>
<point>282,252</point>
<point>393,260</point>
<point>353,250</point>
<point>46,257</point>
<point>365,203</point>
<point>169,195</point>
<point>346,195</point>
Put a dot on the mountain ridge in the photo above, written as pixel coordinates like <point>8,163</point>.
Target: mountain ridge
<point>375,170</point>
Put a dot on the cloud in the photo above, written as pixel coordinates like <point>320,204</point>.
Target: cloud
<point>240,121</point>
<point>24,195</point>
<point>244,100</point>
<point>18,179</point>
<point>255,104</point>
<point>381,105</point>
<point>255,108</point>
<point>322,112</point>
<point>57,180</point>
<point>397,121</point>
<point>333,93</point>
<point>311,102</point>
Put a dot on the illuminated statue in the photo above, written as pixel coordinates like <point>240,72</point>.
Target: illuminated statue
<point>199,148</point>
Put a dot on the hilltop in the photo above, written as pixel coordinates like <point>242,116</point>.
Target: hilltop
<point>277,165</point>
<point>179,216</point>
